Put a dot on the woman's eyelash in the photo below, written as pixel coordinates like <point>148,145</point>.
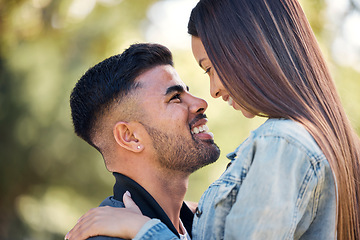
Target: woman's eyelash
<point>207,70</point>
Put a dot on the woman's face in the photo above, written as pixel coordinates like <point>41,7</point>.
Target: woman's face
<point>217,89</point>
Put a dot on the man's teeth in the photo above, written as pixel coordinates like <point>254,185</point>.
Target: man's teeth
<point>230,101</point>
<point>200,129</point>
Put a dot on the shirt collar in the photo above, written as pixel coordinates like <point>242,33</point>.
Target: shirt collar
<point>147,204</point>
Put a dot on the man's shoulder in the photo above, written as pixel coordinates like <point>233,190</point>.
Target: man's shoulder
<point>112,202</point>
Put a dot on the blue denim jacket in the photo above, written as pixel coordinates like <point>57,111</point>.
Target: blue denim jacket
<point>279,186</point>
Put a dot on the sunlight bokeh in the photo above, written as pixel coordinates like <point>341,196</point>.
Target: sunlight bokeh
<point>49,176</point>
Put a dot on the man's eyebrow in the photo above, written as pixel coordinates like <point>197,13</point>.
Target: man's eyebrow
<point>176,88</point>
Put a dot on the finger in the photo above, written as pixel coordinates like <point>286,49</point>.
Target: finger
<point>83,227</point>
<point>75,229</point>
<point>87,215</point>
<point>83,230</point>
<point>129,203</point>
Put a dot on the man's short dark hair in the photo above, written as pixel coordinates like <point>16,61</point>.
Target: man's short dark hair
<point>109,81</point>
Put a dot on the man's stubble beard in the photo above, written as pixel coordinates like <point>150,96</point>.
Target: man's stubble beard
<point>180,154</point>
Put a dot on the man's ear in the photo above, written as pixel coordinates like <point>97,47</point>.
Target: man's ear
<point>128,136</point>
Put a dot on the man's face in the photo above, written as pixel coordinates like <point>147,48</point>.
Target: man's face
<point>175,121</point>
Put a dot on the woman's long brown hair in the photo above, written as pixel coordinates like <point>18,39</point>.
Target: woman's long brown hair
<point>267,57</point>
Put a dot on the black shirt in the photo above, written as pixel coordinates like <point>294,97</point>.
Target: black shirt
<point>148,205</point>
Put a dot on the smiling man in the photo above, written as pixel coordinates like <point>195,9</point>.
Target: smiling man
<point>135,110</point>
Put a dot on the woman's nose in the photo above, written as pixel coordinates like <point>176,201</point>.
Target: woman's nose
<point>214,89</point>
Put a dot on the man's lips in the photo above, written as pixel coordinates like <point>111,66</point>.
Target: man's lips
<point>199,129</point>
<point>198,123</point>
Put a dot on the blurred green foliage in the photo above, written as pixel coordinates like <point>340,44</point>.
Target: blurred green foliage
<point>49,177</point>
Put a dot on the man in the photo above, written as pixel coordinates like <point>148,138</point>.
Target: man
<point>135,110</point>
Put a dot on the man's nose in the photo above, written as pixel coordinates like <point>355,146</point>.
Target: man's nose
<point>197,105</point>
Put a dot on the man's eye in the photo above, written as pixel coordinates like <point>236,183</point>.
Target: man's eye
<point>207,70</point>
<point>175,97</point>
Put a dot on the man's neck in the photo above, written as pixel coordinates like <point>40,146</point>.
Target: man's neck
<point>167,187</point>
<point>169,192</point>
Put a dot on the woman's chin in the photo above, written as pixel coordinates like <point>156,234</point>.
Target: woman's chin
<point>243,111</point>
<point>247,114</point>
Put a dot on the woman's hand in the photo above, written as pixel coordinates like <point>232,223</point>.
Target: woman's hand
<point>109,221</point>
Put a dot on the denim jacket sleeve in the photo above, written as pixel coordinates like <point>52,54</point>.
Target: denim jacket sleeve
<point>155,229</point>
<point>280,195</point>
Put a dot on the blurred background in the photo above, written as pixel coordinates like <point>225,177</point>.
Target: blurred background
<point>50,177</point>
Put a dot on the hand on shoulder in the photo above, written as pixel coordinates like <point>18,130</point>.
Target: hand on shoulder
<point>109,221</point>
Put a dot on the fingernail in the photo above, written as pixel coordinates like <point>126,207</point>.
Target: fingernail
<point>128,194</point>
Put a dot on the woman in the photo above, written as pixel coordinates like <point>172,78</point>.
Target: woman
<point>297,175</point>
